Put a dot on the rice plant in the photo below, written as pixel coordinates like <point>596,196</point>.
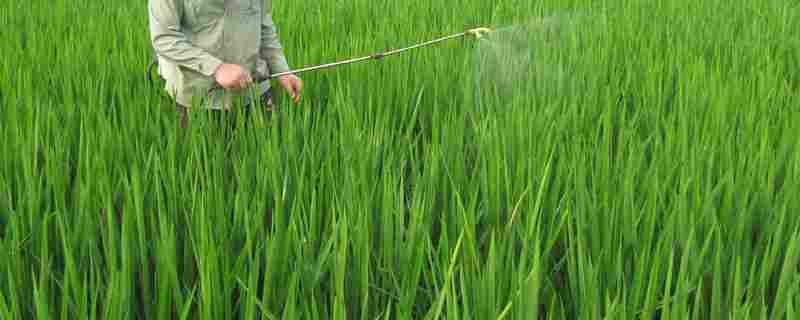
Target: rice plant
<point>616,160</point>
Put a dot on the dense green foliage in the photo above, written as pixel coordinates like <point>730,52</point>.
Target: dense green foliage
<point>662,183</point>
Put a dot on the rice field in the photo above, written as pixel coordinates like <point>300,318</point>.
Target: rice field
<point>640,164</point>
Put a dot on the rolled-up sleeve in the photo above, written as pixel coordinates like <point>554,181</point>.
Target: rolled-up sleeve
<point>171,43</point>
<point>271,49</point>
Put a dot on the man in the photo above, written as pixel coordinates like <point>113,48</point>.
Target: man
<point>211,52</point>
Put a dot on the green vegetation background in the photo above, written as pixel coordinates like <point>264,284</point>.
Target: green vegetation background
<point>661,185</point>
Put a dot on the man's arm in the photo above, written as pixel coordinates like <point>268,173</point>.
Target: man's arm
<point>271,50</point>
<point>170,42</point>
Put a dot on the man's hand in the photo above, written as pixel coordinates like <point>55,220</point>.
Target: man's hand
<point>293,85</point>
<point>233,76</point>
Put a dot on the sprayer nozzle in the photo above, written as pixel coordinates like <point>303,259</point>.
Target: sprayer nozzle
<point>478,32</point>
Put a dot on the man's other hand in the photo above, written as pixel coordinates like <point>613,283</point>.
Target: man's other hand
<point>233,76</point>
<point>293,85</point>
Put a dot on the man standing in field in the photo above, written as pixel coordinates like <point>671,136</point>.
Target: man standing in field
<point>211,51</point>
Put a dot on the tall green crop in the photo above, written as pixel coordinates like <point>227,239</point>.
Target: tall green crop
<point>617,160</point>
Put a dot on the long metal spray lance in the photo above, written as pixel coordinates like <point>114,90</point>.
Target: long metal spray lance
<point>477,33</point>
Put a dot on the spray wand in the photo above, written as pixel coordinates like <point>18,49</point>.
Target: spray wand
<point>476,32</point>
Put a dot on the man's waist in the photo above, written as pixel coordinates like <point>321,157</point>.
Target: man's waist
<point>256,66</point>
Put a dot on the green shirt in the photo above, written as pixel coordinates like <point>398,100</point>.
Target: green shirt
<point>193,37</point>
